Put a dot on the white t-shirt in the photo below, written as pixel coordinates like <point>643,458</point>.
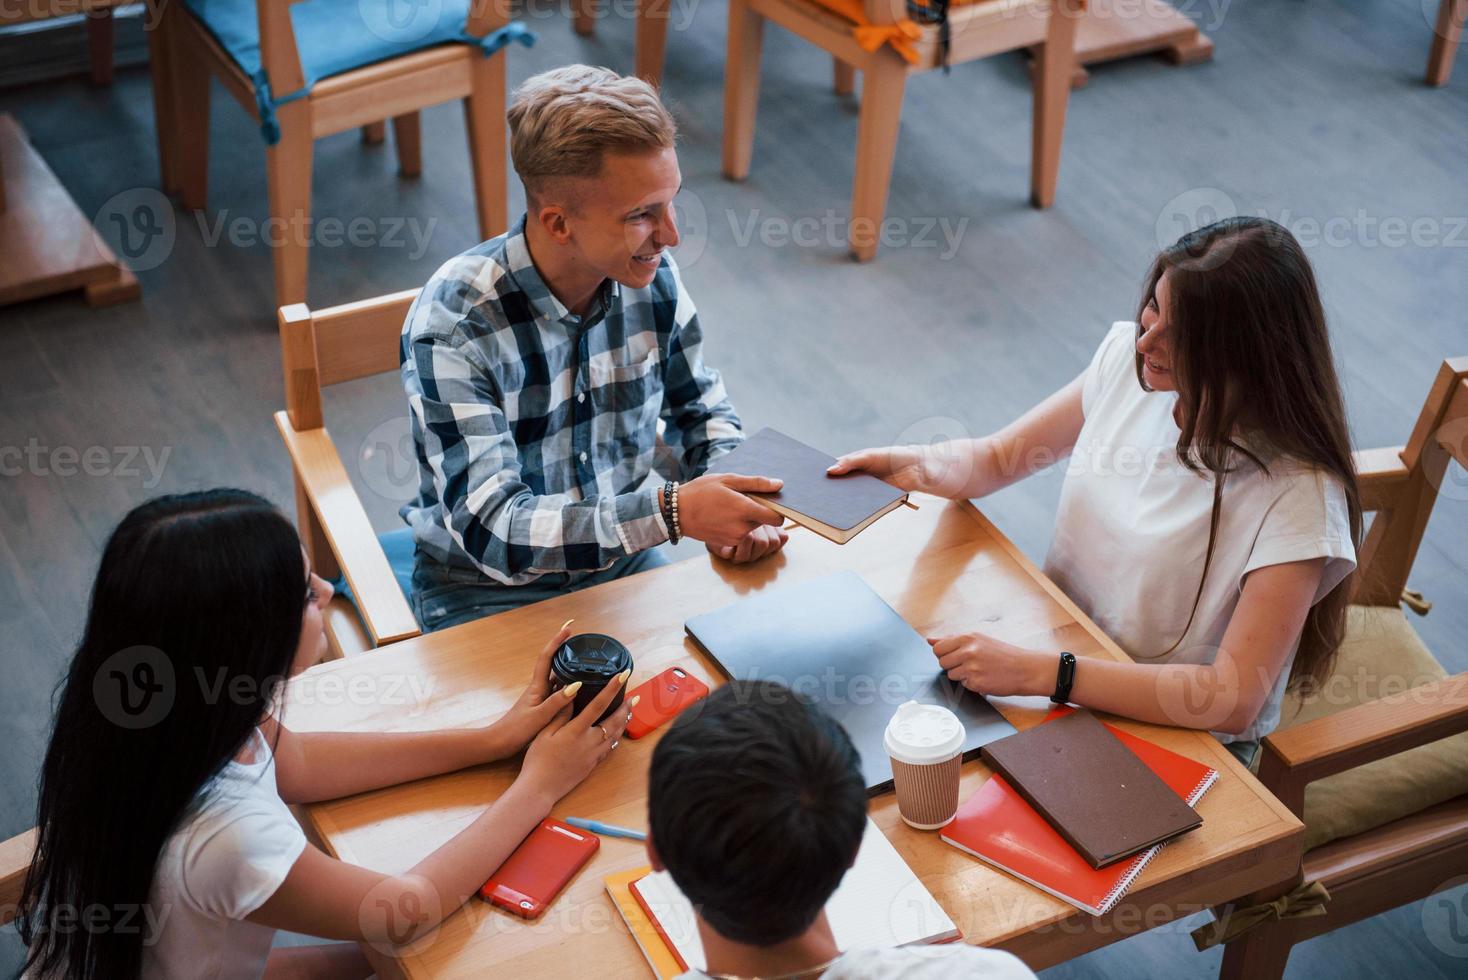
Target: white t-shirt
<point>218,867</point>
<point>1132,529</point>
<point>939,962</point>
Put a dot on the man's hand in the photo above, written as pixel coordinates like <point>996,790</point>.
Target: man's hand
<point>757,544</point>
<point>712,508</point>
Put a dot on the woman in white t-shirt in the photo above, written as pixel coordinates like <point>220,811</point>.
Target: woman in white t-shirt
<point>166,846</point>
<point>1209,517</point>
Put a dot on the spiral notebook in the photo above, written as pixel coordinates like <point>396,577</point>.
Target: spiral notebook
<point>997,826</point>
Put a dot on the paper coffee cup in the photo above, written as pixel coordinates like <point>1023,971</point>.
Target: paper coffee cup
<point>925,744</point>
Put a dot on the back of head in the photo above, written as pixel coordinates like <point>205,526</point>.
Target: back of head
<point>195,619</point>
<point>563,121</point>
<point>757,807</point>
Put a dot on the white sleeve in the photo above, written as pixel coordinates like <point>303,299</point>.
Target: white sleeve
<point>936,962</point>
<point>238,856</point>
<point>1309,519</point>
<point>1111,363</point>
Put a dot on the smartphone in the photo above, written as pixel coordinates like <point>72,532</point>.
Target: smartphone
<point>541,866</point>
<point>662,698</point>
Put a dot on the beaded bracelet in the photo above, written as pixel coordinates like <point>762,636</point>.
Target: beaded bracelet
<point>670,511</point>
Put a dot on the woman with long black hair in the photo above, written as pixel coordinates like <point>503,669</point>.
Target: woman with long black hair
<point>1210,515</point>
<point>166,847</point>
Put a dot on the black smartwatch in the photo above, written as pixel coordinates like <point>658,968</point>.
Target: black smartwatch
<point>1064,678</point>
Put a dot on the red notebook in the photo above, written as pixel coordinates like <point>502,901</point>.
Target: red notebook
<point>997,826</point>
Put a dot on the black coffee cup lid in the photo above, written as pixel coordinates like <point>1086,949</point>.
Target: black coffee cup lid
<point>591,657</point>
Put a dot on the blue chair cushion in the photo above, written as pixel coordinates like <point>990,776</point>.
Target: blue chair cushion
<point>335,36</point>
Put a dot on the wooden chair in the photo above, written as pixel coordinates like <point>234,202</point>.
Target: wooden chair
<point>1353,766</point>
<point>395,88</point>
<point>15,863</point>
<point>1445,37</point>
<point>977,30</point>
<point>321,348</point>
<point>651,36</point>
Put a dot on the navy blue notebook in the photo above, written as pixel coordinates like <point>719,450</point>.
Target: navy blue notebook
<point>836,641</point>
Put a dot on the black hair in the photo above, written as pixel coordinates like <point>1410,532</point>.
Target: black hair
<point>195,619</point>
<point>757,807</point>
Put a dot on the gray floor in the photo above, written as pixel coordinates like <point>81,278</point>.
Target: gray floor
<point>1312,114</point>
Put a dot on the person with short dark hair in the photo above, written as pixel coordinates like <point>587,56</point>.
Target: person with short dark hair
<point>756,807</point>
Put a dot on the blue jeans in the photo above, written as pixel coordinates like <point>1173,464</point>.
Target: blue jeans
<point>1244,751</point>
<point>444,596</point>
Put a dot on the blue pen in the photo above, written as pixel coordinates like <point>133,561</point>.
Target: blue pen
<point>605,829</point>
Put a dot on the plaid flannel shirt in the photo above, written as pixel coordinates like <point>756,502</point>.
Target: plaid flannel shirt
<point>536,429</point>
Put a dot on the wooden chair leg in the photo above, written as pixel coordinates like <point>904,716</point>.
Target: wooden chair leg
<point>164,93</point>
<point>741,87</point>
<point>1053,72</point>
<point>652,40</point>
<point>288,171</point>
<point>843,77</point>
<point>876,143</point>
<point>374,133</point>
<point>484,115</point>
<point>191,124</point>
<point>1445,38</point>
<point>583,17</point>
<point>1262,952</point>
<point>99,45</point>
<point>407,135</point>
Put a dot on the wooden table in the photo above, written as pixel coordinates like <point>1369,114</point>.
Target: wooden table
<point>943,568</point>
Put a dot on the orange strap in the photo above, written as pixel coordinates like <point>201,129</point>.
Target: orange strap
<point>900,36</point>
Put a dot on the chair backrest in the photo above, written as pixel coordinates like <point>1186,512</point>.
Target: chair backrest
<point>340,343</point>
<point>15,864</point>
<point>1403,495</point>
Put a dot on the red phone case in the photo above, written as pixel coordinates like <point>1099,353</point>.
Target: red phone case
<point>662,698</point>
<point>540,867</point>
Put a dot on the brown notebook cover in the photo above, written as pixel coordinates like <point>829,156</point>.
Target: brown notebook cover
<point>837,507</point>
<point>1091,788</point>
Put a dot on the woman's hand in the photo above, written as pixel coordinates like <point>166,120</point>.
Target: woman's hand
<point>536,707</point>
<point>985,665</point>
<point>570,747</point>
<point>942,469</point>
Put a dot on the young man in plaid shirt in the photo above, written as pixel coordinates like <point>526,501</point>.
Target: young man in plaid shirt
<point>538,365</point>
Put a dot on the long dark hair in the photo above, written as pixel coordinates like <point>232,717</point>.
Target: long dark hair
<point>1256,380</point>
<point>195,618</point>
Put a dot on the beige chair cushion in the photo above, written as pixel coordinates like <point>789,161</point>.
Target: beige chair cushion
<point>1381,655</point>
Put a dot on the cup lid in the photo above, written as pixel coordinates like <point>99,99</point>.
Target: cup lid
<point>921,734</point>
<point>594,658</point>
